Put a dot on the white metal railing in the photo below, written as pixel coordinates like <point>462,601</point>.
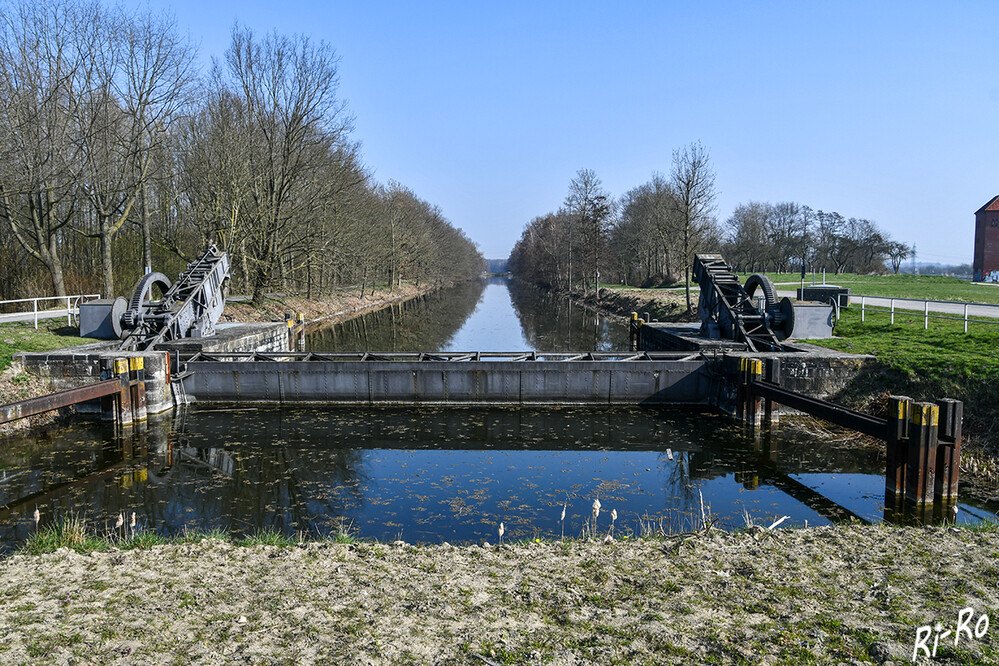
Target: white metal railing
<point>72,306</point>
<point>891,310</point>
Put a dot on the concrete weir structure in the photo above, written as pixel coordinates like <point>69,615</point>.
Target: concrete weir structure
<point>701,380</point>
<point>808,369</point>
<point>514,378</point>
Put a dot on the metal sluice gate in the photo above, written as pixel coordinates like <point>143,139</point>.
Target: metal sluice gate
<point>448,378</point>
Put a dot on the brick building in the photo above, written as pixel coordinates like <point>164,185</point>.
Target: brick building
<point>986,262</point>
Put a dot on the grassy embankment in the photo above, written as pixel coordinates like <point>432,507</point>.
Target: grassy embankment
<point>846,594</point>
<point>23,337</point>
<point>926,287</point>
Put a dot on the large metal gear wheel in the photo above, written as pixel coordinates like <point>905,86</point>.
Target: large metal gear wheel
<point>140,301</point>
<point>766,286</point>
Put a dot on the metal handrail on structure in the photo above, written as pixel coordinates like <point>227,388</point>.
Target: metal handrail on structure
<point>452,357</point>
<point>72,306</point>
<point>892,310</point>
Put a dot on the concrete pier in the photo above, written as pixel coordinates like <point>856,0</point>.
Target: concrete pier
<point>76,366</point>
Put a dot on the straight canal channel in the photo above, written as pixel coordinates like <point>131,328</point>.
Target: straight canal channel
<point>432,474</point>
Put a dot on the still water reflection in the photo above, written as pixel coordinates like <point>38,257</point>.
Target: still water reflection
<point>426,474</point>
<point>489,315</point>
<point>432,474</point>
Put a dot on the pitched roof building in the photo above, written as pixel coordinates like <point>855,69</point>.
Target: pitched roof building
<point>986,261</point>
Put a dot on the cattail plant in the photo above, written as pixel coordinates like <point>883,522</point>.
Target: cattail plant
<point>613,518</point>
<point>500,531</point>
<point>596,514</point>
<point>131,524</point>
<point>38,517</point>
<point>561,520</point>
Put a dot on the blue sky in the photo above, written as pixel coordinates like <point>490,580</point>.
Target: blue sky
<point>881,110</point>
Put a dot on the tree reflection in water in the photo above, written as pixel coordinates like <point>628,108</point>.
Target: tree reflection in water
<point>425,323</point>
<point>555,324</point>
<point>430,474</point>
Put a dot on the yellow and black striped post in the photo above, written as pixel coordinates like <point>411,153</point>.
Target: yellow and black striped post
<point>948,469</point>
<point>749,404</point>
<point>896,454</point>
<point>125,397</point>
<point>920,472</point>
<point>137,387</point>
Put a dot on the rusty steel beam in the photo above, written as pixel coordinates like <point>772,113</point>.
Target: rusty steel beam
<point>827,411</point>
<point>46,403</point>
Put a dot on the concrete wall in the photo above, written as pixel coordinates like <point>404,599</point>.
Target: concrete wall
<point>813,371</point>
<point>265,337</point>
<point>76,366</point>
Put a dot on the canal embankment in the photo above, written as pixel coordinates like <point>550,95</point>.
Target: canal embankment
<point>846,594</point>
<point>908,360</point>
<point>668,305</point>
<point>16,384</point>
<point>326,310</point>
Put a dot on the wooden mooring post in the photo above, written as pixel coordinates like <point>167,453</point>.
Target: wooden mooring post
<point>923,439</point>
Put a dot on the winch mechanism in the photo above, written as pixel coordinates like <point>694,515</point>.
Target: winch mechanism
<point>752,313</point>
<point>188,308</point>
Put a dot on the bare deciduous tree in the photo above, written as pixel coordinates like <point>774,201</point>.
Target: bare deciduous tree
<point>693,184</point>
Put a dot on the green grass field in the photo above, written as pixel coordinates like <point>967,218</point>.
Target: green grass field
<point>51,334</point>
<point>943,353</point>
<point>926,287</point>
<point>942,362</point>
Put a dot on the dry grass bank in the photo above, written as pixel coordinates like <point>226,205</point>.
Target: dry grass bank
<point>830,595</point>
<point>661,304</point>
<point>333,308</point>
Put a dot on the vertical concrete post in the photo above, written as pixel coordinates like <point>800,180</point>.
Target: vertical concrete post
<point>899,410</point>
<point>948,469</point>
<point>920,477</point>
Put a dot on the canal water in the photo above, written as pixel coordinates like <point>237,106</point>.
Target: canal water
<point>433,474</point>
